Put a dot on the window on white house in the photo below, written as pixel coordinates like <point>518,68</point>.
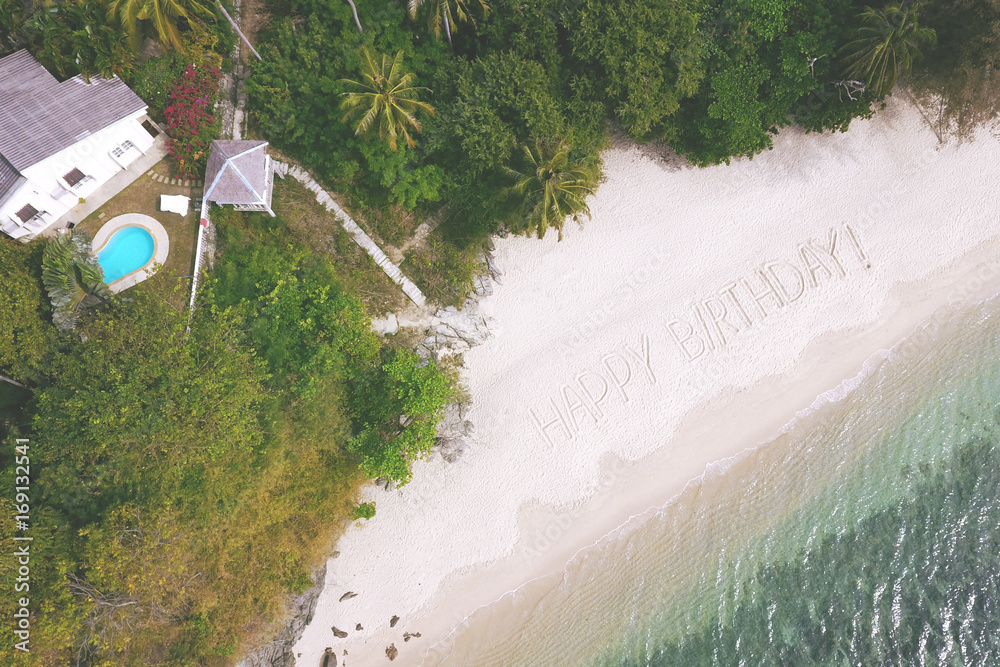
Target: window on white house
<point>125,153</point>
<point>121,149</point>
<point>75,177</point>
<point>27,213</point>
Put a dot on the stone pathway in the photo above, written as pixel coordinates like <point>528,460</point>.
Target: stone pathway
<point>359,235</point>
<point>166,180</point>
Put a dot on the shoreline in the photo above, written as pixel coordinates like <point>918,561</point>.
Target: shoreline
<point>553,470</point>
<point>903,334</point>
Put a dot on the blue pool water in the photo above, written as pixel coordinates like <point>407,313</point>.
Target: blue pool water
<point>128,249</point>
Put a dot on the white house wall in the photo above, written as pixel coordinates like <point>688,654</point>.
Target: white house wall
<point>91,155</point>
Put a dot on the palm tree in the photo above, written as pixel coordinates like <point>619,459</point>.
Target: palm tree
<point>386,97</point>
<point>73,279</point>
<point>163,14</point>
<point>886,45</point>
<point>548,186</point>
<point>442,13</point>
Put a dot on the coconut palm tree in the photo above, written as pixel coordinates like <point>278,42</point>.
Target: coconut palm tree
<point>72,277</point>
<point>163,14</point>
<point>443,14</point>
<point>886,45</point>
<point>384,98</point>
<point>548,186</point>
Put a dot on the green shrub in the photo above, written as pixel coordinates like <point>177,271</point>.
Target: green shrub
<point>363,511</point>
<point>154,80</point>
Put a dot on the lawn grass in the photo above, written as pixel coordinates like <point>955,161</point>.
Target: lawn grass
<point>308,221</point>
<point>320,230</point>
<point>388,224</point>
<point>143,196</point>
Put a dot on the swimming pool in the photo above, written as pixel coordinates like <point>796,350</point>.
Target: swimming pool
<point>129,249</point>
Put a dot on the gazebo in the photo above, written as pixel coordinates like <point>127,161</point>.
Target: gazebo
<point>241,174</point>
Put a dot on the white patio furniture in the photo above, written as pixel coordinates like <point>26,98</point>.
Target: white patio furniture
<point>175,204</point>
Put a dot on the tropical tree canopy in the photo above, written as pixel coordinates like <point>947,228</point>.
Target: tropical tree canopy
<point>77,36</point>
<point>886,45</point>
<point>25,333</point>
<point>385,98</point>
<point>72,277</point>
<point>443,14</point>
<point>402,424</point>
<point>163,14</point>
<point>548,186</point>
<point>960,85</point>
<point>10,17</point>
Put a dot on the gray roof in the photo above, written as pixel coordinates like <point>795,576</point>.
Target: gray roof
<point>10,180</point>
<point>237,172</point>
<point>40,116</point>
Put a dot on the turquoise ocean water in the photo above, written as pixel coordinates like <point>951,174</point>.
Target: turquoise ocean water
<point>867,534</point>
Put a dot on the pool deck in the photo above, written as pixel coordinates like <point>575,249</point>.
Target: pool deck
<point>161,249</point>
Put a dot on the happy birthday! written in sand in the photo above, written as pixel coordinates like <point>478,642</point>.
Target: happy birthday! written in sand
<point>714,321</point>
<point>768,289</point>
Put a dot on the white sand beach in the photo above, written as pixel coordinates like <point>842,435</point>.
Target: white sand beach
<point>695,315</point>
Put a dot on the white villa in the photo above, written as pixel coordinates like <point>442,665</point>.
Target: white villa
<point>61,142</point>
